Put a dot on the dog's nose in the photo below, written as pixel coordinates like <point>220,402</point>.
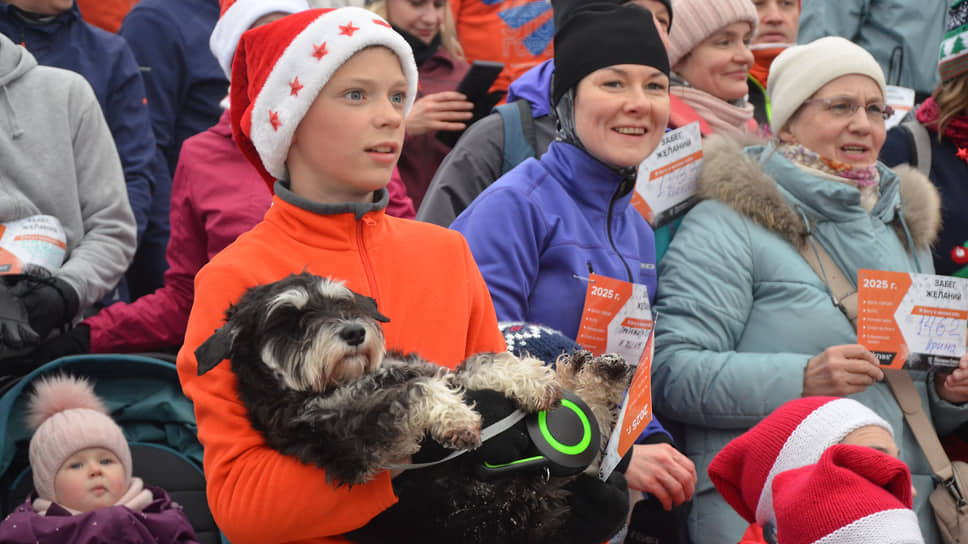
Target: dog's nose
<point>353,334</point>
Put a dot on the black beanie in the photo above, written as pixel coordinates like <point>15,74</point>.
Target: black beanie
<point>599,35</point>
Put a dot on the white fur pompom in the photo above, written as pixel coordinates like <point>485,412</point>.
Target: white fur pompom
<point>58,393</point>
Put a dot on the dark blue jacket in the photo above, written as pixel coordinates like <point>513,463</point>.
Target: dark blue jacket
<point>184,82</point>
<point>949,174</point>
<point>109,66</point>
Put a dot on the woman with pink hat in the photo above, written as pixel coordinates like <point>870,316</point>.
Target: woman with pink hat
<point>710,58</point>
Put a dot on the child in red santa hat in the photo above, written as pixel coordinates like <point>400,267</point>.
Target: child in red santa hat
<point>319,100</point>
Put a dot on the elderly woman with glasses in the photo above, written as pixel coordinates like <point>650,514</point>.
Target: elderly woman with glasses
<point>745,323</point>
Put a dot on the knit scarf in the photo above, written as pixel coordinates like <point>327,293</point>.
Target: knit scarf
<point>763,59</point>
<point>723,117</point>
<point>136,498</point>
<point>421,51</point>
<point>864,179</point>
<point>956,131</point>
<point>858,177</point>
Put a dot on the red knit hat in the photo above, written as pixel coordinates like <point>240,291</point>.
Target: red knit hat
<point>280,67</point>
<point>794,435</point>
<point>854,494</point>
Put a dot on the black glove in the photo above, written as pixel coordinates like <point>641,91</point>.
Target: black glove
<point>597,509</point>
<point>73,342</point>
<point>512,444</point>
<point>50,302</point>
<point>15,329</point>
<point>508,446</point>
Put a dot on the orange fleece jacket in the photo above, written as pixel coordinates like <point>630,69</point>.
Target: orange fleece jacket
<point>424,279</point>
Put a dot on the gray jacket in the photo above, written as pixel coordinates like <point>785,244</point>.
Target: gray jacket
<point>903,35</point>
<point>57,157</point>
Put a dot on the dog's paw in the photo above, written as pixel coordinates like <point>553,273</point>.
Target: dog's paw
<point>610,368</point>
<point>460,438</point>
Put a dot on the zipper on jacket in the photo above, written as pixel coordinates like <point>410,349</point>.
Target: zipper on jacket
<point>365,258</point>
<point>622,190</point>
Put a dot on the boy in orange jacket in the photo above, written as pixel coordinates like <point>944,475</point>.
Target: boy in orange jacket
<point>319,100</point>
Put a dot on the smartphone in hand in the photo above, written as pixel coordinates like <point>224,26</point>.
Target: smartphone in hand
<point>474,85</point>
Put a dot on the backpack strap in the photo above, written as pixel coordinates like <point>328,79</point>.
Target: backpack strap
<point>920,140</point>
<point>520,140</point>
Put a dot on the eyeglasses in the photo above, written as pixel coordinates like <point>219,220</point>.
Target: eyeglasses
<point>846,107</point>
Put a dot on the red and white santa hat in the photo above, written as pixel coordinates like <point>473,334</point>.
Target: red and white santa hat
<point>794,435</point>
<point>854,494</point>
<point>280,67</point>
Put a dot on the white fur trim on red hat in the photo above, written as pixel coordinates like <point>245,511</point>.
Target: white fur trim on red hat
<point>304,68</point>
<point>822,428</point>
<point>897,526</point>
<point>237,19</point>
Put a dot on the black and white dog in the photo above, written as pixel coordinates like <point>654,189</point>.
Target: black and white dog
<point>313,375</point>
<point>309,357</point>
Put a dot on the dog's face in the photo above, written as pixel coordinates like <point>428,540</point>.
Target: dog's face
<point>312,333</point>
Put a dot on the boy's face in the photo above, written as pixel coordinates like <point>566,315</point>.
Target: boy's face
<point>43,7</point>
<point>91,478</point>
<point>348,142</point>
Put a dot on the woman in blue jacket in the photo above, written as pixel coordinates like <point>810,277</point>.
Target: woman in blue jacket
<point>538,231</point>
<point>747,324</point>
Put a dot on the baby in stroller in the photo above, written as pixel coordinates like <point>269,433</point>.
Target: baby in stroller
<point>82,474</point>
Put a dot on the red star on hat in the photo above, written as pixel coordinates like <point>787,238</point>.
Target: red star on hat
<point>347,29</point>
<point>295,86</point>
<point>382,23</point>
<point>962,153</point>
<point>319,51</point>
<point>274,120</point>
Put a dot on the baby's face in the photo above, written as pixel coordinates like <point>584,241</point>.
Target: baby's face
<point>91,478</point>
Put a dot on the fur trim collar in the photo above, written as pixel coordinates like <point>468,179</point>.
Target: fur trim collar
<point>732,177</point>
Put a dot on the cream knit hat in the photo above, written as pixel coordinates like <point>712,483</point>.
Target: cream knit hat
<point>801,70</point>
<point>697,20</point>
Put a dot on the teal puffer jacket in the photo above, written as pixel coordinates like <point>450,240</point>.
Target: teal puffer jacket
<point>741,312</point>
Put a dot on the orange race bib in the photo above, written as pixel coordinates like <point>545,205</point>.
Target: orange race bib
<point>912,320</point>
<point>617,318</point>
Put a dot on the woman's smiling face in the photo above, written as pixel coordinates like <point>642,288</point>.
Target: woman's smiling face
<point>621,112</point>
<point>720,64</point>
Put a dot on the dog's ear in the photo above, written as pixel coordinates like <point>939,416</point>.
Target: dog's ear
<point>212,351</point>
<point>369,306</point>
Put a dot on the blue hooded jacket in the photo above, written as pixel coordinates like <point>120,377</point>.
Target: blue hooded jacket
<point>109,66</point>
<point>535,87</point>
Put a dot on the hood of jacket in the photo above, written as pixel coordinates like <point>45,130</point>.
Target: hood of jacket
<point>741,178</point>
<point>15,61</point>
<point>535,87</point>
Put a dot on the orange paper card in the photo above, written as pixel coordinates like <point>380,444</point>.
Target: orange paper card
<point>635,415</point>
<point>912,320</point>
<point>617,318</point>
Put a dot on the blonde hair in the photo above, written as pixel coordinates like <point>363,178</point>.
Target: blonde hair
<point>448,30</point>
<point>952,100</point>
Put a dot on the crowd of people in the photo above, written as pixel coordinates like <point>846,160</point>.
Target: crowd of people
<point>188,151</point>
